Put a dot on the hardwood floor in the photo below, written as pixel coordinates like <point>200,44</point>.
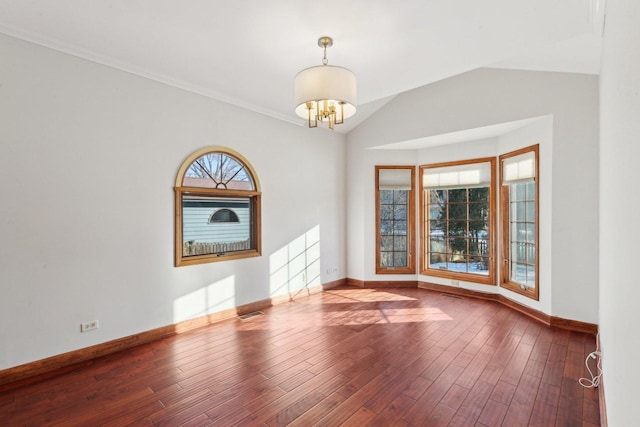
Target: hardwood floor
<point>383,357</point>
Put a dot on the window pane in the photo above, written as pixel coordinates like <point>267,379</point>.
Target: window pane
<point>437,244</point>
<point>399,259</point>
<point>435,228</point>
<point>386,243</point>
<point>479,211</point>
<point>531,253</point>
<point>400,227</point>
<point>518,273</point>
<point>521,232</point>
<point>531,233</point>
<point>400,196</point>
<point>480,266</point>
<point>478,229</point>
<point>218,170</point>
<point>531,190</point>
<point>437,260</point>
<point>386,197</point>
<point>400,212</point>
<point>436,205</point>
<point>457,211</point>
<point>521,229</point>
<point>457,195</point>
<point>395,219</point>
<point>386,259</point>
<point>531,211</point>
<point>386,227</point>
<point>518,191</point>
<point>202,236</point>
<point>480,194</point>
<point>458,245</point>
<point>400,243</point>
<point>386,212</point>
<point>531,277</point>
<point>462,215</point>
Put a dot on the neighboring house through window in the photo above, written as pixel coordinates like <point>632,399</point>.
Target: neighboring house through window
<point>217,208</point>
<point>224,215</point>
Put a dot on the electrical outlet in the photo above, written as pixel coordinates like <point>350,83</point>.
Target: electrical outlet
<point>455,283</point>
<point>89,326</point>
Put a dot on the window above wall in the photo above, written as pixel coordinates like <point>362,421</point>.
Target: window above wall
<point>520,221</point>
<point>458,220</point>
<point>217,208</point>
<point>395,229</point>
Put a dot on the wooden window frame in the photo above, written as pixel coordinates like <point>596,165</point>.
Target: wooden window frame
<point>411,206</point>
<point>253,196</point>
<point>490,278</point>
<point>505,281</point>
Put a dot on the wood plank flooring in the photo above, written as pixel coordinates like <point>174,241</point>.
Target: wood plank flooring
<point>347,356</point>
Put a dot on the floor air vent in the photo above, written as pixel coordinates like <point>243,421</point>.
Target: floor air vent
<point>452,296</point>
<point>250,315</point>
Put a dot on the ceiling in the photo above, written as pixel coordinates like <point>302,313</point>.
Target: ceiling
<point>248,52</point>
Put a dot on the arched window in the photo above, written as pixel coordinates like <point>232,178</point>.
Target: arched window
<point>222,181</point>
<point>224,215</point>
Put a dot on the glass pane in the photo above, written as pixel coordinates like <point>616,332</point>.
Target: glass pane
<point>478,229</point>
<point>457,228</point>
<point>400,243</point>
<point>386,259</point>
<point>531,253</point>
<point>400,227</point>
<point>518,192</point>
<point>400,196</point>
<point>437,196</point>
<point>478,247</point>
<point>400,212</point>
<point>518,273</point>
<point>457,195</point>
<point>435,228</point>
<point>531,233</point>
<point>437,211</point>
<point>386,212</point>
<point>436,244</point>
<point>399,259</point>
<point>531,190</point>
<point>520,252</point>
<point>459,246</point>
<point>386,227</point>
<point>531,211</point>
<point>458,266</point>
<point>480,194</point>
<point>218,170</point>
<point>437,260</point>
<point>457,211</point>
<point>521,232</point>
<point>386,197</point>
<point>531,277</point>
<point>201,236</point>
<point>481,266</point>
<point>479,211</point>
<point>386,243</point>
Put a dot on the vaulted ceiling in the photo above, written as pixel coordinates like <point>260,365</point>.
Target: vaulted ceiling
<point>248,52</point>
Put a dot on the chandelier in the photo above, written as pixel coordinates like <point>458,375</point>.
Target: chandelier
<point>325,92</point>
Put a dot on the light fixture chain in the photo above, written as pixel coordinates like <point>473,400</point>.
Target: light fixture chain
<point>325,61</point>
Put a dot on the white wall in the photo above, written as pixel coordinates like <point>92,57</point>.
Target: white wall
<point>487,97</point>
<point>619,204</point>
<point>88,158</point>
